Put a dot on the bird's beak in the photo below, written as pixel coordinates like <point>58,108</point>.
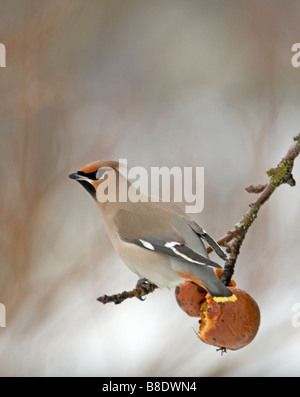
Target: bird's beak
<point>86,182</point>
<point>75,176</point>
<point>80,178</point>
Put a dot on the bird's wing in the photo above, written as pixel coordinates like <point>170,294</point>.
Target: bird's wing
<point>210,241</point>
<point>161,236</point>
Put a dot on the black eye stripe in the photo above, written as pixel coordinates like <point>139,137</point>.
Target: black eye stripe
<point>90,175</point>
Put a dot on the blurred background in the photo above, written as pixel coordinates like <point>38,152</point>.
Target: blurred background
<point>161,83</point>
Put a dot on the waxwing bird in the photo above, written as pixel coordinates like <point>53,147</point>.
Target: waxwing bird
<point>156,240</point>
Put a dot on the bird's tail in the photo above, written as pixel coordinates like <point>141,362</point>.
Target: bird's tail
<point>207,279</point>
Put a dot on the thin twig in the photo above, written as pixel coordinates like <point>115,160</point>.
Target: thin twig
<point>255,189</point>
<point>277,176</point>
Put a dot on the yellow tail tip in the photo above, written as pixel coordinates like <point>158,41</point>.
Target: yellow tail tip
<point>223,299</point>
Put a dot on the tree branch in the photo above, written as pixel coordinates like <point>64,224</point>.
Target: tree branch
<point>277,176</point>
<point>143,287</point>
<point>234,238</point>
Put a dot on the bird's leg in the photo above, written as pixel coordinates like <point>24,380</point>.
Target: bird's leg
<point>144,287</point>
<point>143,283</point>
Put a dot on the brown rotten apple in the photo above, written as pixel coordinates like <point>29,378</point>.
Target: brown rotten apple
<point>230,325</point>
